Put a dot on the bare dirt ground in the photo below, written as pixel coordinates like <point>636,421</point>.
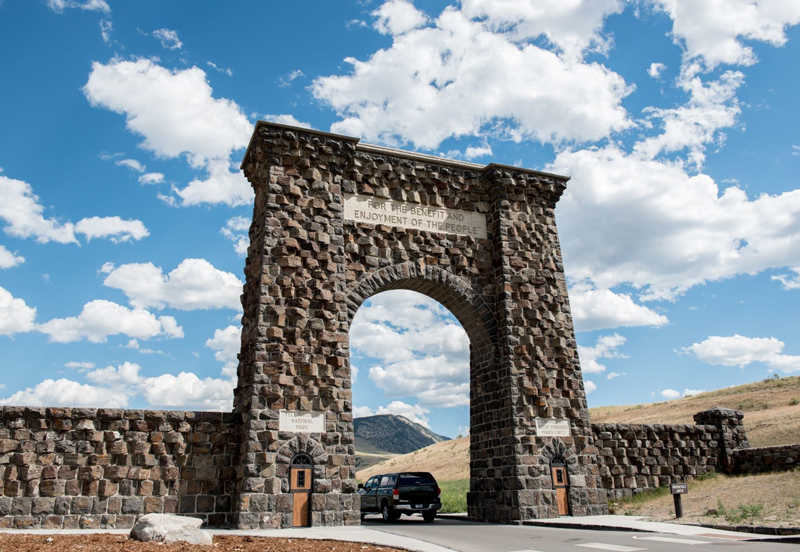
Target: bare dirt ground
<point>771,500</point>
<point>446,461</point>
<point>11,542</point>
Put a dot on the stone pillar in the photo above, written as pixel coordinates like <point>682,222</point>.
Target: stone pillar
<point>295,331</point>
<point>731,433</point>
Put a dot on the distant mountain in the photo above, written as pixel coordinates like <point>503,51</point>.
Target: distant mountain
<point>394,434</point>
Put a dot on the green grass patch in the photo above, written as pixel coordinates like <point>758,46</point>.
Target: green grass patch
<point>640,499</point>
<point>737,515</point>
<point>454,496</point>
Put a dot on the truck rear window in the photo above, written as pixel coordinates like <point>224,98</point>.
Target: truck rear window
<point>411,480</point>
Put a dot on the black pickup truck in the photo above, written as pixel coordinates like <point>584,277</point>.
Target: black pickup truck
<point>394,494</point>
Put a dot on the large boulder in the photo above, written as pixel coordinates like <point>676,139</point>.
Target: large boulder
<point>167,528</point>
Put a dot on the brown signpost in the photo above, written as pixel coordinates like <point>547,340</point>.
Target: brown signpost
<point>677,490</point>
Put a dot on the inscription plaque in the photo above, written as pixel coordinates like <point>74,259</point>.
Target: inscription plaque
<point>550,427</point>
<point>301,422</point>
<point>389,212</point>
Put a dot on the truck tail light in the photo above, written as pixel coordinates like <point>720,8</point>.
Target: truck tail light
<point>439,491</point>
<point>396,493</point>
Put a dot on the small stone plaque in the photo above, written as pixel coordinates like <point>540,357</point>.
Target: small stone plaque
<point>301,422</point>
<point>551,427</point>
<point>402,214</point>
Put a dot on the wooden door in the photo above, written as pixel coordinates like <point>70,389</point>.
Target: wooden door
<point>561,485</point>
<point>300,486</point>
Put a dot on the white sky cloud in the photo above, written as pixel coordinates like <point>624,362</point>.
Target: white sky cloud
<point>614,375</point>
<point>459,77</point>
<point>572,26</point>
<point>656,69</point>
<point>114,228</point>
<point>100,319</point>
<point>625,219</point>
<point>692,392</point>
<point>713,30</point>
<point>132,164</point>
<point>15,315</point>
<point>115,386</point>
<point>168,38</point>
<point>79,365</point>
<point>237,230</point>
<point>589,386</point>
<point>193,284</point>
<point>605,347</point>
<point>286,119</point>
<point>789,282</point>
<point>738,350</point>
<point>151,178</point>
<point>59,6</point>
<point>670,394</point>
<point>595,309</point>
<point>396,17</point>
<point>227,343</point>
<point>175,113</point>
<point>429,356</point>
<point>9,259</point>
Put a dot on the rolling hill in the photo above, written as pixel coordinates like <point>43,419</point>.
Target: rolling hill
<point>394,434</point>
<point>771,417</point>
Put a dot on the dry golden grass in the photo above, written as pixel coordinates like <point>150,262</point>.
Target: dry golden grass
<point>446,461</point>
<point>770,499</point>
<point>770,418</point>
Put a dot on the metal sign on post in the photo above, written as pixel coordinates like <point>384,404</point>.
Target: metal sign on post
<point>678,489</point>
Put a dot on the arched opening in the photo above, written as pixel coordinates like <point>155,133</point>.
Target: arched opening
<point>301,474</point>
<point>560,478</point>
<point>449,314</point>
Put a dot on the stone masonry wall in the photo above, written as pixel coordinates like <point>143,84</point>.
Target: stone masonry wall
<point>638,457</point>
<point>101,468</point>
<point>763,459</point>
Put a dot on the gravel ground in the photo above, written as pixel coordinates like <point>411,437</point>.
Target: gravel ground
<point>222,543</point>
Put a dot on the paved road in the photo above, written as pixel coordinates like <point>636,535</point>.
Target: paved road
<point>484,537</point>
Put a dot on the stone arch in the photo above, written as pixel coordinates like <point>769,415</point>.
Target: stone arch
<point>457,296</point>
<point>556,449</point>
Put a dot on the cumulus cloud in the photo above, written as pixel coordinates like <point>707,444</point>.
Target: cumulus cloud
<point>237,230</point>
<point>692,392</point>
<point>168,39</point>
<point>151,178</point>
<point>194,284</point>
<point>605,347</point>
<point>176,114</point>
<point>100,319</point>
<point>397,17</point>
<point>415,413</point>
<point>23,214</point>
<point>115,386</point>
<point>649,223</point>
<point>286,119</point>
<point>595,309</point>
<point>15,315</point>
<point>82,366</point>
<point>227,343</point>
<point>787,281</point>
<point>114,228</point>
<point>59,6</point>
<point>656,69</point>
<point>614,375</point>
<point>713,31</point>
<point>132,164</point>
<point>468,77</point>
<point>9,259</point>
<point>670,394</point>
<point>738,350</point>
<point>429,356</point>
<point>589,386</point>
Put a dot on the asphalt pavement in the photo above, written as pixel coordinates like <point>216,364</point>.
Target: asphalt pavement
<point>465,536</point>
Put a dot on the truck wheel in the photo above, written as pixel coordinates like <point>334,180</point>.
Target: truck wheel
<point>387,513</point>
<point>428,516</point>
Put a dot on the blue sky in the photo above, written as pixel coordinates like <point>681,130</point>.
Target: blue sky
<point>124,216</point>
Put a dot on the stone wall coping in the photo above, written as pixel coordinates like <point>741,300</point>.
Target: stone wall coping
<point>383,150</point>
<point>106,414</point>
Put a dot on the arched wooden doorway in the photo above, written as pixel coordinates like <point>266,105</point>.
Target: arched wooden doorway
<point>558,471</point>
<point>301,472</point>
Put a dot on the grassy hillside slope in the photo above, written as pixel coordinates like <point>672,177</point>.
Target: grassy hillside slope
<point>368,455</point>
<point>771,410</point>
<point>771,407</point>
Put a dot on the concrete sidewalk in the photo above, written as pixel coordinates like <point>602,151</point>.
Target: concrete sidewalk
<point>638,523</point>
